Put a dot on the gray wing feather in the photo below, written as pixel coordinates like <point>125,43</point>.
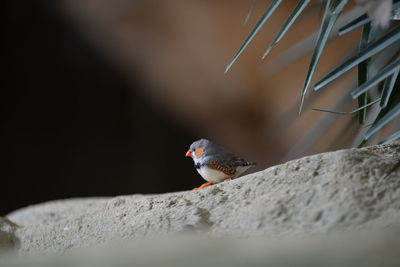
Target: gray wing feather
<point>227,161</point>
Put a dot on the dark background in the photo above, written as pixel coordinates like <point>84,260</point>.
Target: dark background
<point>71,125</point>
<point>103,98</point>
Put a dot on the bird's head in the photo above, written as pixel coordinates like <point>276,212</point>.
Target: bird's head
<point>198,149</point>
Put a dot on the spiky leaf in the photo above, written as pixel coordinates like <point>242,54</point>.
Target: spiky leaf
<point>332,12</point>
<point>391,138</point>
<point>383,74</point>
<point>396,10</point>
<point>349,112</point>
<point>369,51</point>
<point>363,71</point>
<point>388,88</point>
<point>354,24</point>
<point>301,5</point>
<point>250,12</point>
<point>270,10</point>
<point>383,121</point>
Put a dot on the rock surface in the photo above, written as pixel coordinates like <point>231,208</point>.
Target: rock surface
<point>329,192</point>
<point>377,249</point>
<point>7,233</point>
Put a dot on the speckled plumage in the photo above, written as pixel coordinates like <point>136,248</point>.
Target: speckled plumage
<point>216,164</point>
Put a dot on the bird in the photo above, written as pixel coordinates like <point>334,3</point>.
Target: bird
<point>215,164</point>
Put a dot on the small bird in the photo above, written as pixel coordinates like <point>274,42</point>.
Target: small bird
<point>214,163</point>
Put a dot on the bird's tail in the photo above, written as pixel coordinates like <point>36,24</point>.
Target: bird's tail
<point>249,163</point>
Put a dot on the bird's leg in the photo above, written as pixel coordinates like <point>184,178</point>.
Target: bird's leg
<point>203,186</point>
<point>228,179</point>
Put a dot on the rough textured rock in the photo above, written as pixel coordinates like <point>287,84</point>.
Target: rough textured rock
<point>380,248</point>
<point>7,233</point>
<point>335,191</point>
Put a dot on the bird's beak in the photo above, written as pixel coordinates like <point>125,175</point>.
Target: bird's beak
<point>188,154</point>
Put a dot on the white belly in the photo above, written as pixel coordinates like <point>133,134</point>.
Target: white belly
<point>212,175</point>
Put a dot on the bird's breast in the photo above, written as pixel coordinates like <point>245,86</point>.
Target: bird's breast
<point>211,175</point>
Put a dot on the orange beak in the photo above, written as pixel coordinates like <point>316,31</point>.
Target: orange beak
<point>188,154</point>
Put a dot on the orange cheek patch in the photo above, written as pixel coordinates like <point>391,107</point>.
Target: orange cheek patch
<point>199,152</point>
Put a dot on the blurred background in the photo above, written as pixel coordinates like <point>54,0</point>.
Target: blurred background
<point>103,98</point>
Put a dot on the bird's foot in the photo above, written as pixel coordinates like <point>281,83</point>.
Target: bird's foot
<point>228,180</point>
<point>203,186</point>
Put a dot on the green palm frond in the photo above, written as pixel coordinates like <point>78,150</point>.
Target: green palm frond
<point>384,116</point>
<point>383,121</point>
<point>332,12</point>
<point>363,69</point>
<point>364,19</point>
<point>250,12</point>
<point>389,70</point>
<point>358,22</point>
<point>368,52</point>
<point>377,61</point>
<point>267,14</point>
<point>388,89</point>
<point>301,5</point>
<point>348,112</point>
<point>391,138</point>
